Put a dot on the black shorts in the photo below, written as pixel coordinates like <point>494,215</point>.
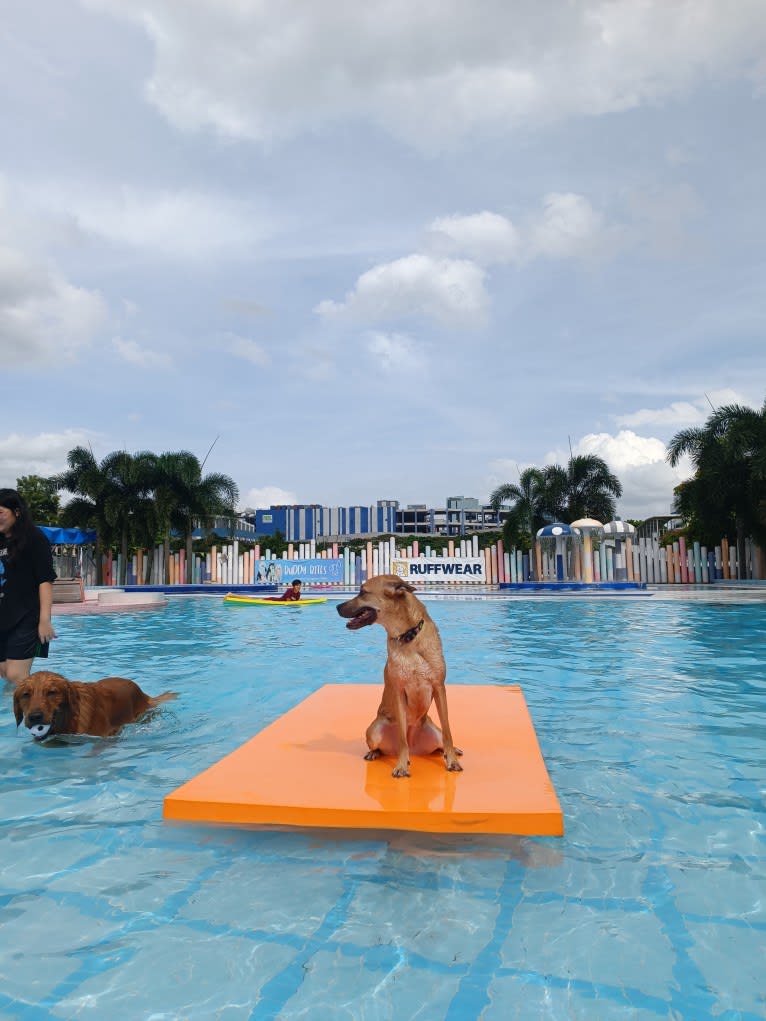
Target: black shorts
<point>22,640</point>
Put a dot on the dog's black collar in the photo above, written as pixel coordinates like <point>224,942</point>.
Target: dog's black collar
<point>412,633</point>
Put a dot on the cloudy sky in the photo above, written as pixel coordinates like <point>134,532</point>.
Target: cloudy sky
<point>383,250</point>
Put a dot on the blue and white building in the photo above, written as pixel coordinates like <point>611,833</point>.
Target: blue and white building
<point>304,522</point>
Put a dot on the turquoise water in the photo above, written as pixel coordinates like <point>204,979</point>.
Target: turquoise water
<point>651,716</point>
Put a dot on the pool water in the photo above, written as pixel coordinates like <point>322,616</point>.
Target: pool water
<point>651,716</point>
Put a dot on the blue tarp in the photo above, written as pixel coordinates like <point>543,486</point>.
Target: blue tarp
<point>68,536</point>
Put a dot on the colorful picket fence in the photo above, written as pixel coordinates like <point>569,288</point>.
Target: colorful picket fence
<point>642,560</point>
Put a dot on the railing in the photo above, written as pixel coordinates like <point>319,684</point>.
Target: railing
<point>642,560</point>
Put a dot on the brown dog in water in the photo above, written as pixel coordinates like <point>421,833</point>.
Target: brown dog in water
<point>413,676</point>
<point>50,705</point>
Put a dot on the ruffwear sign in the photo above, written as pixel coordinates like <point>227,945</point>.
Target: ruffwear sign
<point>440,569</point>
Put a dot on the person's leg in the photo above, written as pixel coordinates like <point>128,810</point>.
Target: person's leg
<point>18,649</point>
<point>15,670</point>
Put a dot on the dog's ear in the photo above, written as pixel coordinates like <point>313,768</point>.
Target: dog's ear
<point>18,712</point>
<point>70,705</point>
<point>398,589</point>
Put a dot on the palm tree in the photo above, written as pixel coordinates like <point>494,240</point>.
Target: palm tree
<point>146,531</point>
<point>586,488</point>
<point>527,508</point>
<point>728,490</point>
<point>185,496</point>
<point>745,432</point>
<point>89,484</point>
<point>128,504</point>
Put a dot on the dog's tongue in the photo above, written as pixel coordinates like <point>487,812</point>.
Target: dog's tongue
<point>367,616</point>
<point>39,730</point>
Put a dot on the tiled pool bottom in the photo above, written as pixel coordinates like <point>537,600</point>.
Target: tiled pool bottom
<point>651,719</point>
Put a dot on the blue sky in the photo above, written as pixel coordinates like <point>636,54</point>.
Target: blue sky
<point>380,251</point>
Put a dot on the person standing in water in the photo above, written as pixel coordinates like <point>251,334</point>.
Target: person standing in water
<point>26,589</point>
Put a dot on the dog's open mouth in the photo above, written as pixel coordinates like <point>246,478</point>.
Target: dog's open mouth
<point>39,731</point>
<point>366,616</point>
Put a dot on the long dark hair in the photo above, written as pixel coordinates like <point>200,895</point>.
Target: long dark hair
<point>22,529</point>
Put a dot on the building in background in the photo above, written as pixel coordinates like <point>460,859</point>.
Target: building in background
<point>303,522</point>
<point>465,515</point>
<point>657,525</point>
<point>418,519</point>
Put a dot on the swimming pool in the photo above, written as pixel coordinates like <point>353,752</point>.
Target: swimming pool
<point>651,716</point>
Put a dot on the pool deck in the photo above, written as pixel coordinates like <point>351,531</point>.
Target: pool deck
<point>110,600</point>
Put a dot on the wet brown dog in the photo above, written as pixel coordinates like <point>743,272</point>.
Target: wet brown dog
<point>413,676</point>
<point>49,705</point>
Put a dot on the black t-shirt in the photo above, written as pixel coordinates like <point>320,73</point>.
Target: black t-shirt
<point>20,580</point>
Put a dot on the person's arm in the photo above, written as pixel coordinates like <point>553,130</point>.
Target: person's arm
<point>44,627</point>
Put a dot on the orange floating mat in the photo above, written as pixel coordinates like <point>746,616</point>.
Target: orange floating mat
<point>308,769</point>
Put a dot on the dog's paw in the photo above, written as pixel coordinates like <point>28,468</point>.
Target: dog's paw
<point>454,766</point>
<point>374,753</point>
<point>401,771</point>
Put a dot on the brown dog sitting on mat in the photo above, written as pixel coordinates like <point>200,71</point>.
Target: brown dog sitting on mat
<point>50,705</point>
<point>413,676</point>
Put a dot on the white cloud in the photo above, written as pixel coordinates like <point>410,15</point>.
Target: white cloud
<point>182,223</point>
<point>395,353</point>
<point>431,73</point>
<point>682,414</point>
<point>720,398</point>
<point>43,454</point>
<point>131,352</point>
<point>266,496</point>
<point>625,450</point>
<point>678,415</point>
<point>568,226</point>
<point>248,350</point>
<point>43,315</point>
<point>639,463</point>
<point>448,291</point>
<point>648,489</point>
<point>452,291</point>
<point>484,237</point>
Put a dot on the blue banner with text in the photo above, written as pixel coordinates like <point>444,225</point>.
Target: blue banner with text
<point>312,572</point>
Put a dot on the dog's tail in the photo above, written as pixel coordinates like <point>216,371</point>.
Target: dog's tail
<point>166,696</point>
